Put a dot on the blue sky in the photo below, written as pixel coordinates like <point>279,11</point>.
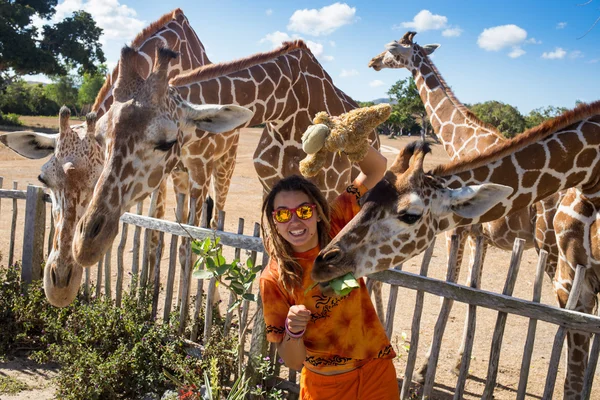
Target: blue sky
<point>522,52</point>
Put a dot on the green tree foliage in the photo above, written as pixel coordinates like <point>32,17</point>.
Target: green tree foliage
<point>51,50</point>
<point>90,86</point>
<point>409,109</point>
<point>506,118</point>
<point>63,91</point>
<point>24,98</point>
<point>542,114</point>
<point>365,103</point>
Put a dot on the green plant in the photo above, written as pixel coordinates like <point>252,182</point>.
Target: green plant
<point>10,385</point>
<point>10,119</point>
<point>266,371</point>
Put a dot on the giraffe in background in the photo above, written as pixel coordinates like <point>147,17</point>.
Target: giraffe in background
<point>463,135</point>
<point>284,88</point>
<point>76,152</point>
<point>408,208</point>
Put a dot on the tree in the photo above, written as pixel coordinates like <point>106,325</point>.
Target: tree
<point>90,86</point>
<point>542,114</point>
<point>63,91</point>
<point>409,105</point>
<point>51,50</point>
<point>504,117</point>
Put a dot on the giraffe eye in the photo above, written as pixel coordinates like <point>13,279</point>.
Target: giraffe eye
<point>409,218</point>
<point>164,146</point>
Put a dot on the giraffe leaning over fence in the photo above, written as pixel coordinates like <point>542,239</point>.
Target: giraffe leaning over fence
<point>463,135</point>
<point>76,152</point>
<point>284,88</point>
<point>404,212</point>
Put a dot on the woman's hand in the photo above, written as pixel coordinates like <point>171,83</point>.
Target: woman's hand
<point>297,318</point>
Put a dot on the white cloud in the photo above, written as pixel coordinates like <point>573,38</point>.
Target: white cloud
<point>269,11</point>
<point>316,48</point>
<point>323,21</point>
<point>594,61</point>
<point>425,21</point>
<point>118,21</point>
<point>332,43</point>
<point>533,41</point>
<point>348,73</point>
<point>557,54</point>
<point>561,25</point>
<point>500,37</point>
<point>328,58</point>
<point>516,52</point>
<point>452,32</point>
<point>276,38</point>
<point>575,54</point>
<point>376,83</point>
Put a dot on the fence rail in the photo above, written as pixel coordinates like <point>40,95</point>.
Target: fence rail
<point>149,276</point>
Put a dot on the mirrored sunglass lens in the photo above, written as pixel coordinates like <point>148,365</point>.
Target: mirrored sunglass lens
<point>283,215</point>
<point>304,212</point>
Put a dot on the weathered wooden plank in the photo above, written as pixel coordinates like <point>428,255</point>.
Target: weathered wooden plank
<point>590,371</point>
<point>470,323</point>
<point>559,339</point>
<point>86,287</point>
<point>135,260</point>
<point>416,326</point>
<point>391,308</point>
<point>227,238</point>
<point>440,326</point>
<point>33,235</point>
<point>20,195</point>
<point>187,271</point>
<point>246,303</point>
<point>199,282</point>
<point>509,285</point>
<point>212,285</point>
<point>528,348</point>
<point>145,274</point>
<point>237,255</point>
<point>494,301</point>
<point>172,260</point>
<point>120,266</point>
<point>51,234</point>
<point>108,273</point>
<point>156,277</point>
<point>99,279</point>
<point>13,228</point>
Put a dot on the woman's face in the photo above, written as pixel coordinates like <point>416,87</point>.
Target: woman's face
<point>301,234</point>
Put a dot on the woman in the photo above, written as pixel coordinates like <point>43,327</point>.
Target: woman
<point>339,340</point>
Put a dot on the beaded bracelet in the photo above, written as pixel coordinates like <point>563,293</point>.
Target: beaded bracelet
<point>294,335</point>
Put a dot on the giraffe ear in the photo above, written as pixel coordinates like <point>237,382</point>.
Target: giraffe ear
<point>430,48</point>
<point>32,145</point>
<point>217,118</point>
<point>474,201</point>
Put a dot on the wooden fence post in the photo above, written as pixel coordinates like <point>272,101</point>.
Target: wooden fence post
<point>33,237</point>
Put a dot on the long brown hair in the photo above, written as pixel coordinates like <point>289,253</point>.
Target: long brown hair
<point>290,271</point>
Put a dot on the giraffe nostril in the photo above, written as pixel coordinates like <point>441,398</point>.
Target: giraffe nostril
<point>69,276</point>
<point>96,227</point>
<point>53,276</point>
<point>330,256</point>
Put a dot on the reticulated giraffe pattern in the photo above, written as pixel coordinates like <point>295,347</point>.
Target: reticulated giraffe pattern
<point>403,213</point>
<point>79,152</point>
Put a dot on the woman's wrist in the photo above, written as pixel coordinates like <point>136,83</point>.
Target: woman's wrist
<point>293,335</point>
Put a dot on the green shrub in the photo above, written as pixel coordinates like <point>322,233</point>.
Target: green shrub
<point>10,119</point>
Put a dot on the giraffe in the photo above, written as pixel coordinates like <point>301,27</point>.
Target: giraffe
<point>74,153</point>
<point>402,213</point>
<point>464,135</point>
<point>283,87</point>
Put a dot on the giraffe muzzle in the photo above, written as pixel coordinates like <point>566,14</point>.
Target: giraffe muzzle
<point>329,265</point>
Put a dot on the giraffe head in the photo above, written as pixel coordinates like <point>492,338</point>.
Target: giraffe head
<point>70,174</point>
<point>402,53</point>
<point>146,127</point>
<point>400,217</point>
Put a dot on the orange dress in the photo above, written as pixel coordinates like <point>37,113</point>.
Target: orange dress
<point>343,333</point>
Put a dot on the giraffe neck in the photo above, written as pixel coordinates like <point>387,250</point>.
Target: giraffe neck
<point>286,90</point>
<point>461,133</point>
<point>557,155</point>
<point>172,30</point>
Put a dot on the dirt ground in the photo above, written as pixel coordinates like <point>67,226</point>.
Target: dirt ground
<point>244,202</point>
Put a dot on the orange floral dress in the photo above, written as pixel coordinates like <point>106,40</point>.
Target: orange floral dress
<point>344,332</point>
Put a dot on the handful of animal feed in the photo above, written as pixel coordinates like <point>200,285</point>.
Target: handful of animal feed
<point>341,286</point>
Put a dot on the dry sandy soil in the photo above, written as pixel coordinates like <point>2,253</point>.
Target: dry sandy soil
<point>244,202</point>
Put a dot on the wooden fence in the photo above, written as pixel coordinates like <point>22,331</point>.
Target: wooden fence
<point>504,303</point>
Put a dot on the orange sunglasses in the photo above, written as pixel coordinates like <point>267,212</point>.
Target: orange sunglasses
<point>283,215</point>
